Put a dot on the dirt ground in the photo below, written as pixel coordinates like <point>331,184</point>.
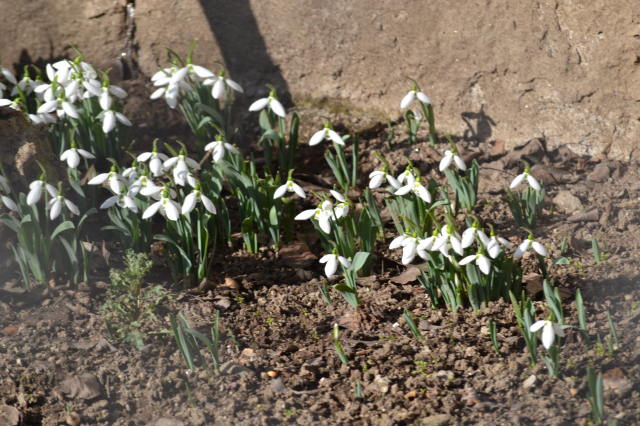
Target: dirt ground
<point>281,322</point>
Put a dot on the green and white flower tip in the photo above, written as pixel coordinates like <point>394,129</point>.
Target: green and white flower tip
<point>122,200</point>
<point>219,147</point>
<point>414,93</point>
<point>409,171</point>
<point>527,244</point>
<point>342,207</point>
<point>336,332</point>
<point>156,160</point>
<point>448,237</point>
<point>323,214</point>
<point>493,248</point>
<point>379,177</point>
<point>72,155</point>
<point>481,260</point>
<point>326,134</point>
<point>57,199</point>
<point>414,185</point>
<point>166,206</point>
<point>470,234</point>
<point>332,261</point>
<point>526,177</point>
<point>549,331</point>
<point>8,75</point>
<point>61,106</point>
<point>196,196</point>
<point>272,102</point>
<point>450,156</point>
<point>180,165</point>
<point>426,244</point>
<point>289,186</point>
<point>35,190</point>
<point>219,85</point>
<point>397,241</point>
<point>112,178</point>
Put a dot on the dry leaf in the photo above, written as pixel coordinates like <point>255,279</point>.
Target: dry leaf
<point>84,386</point>
<point>105,252</point>
<point>297,255</point>
<point>409,275</point>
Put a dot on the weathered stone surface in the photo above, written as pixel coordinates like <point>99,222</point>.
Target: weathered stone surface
<point>566,202</point>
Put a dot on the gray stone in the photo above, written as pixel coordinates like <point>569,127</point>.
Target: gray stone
<point>529,382</point>
<point>600,173</point>
<point>231,367</point>
<point>566,202</point>
<point>436,420</point>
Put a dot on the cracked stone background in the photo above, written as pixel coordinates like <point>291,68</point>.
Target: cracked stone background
<point>568,71</point>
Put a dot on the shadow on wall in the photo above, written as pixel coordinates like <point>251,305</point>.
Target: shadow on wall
<point>482,131</point>
<point>243,48</point>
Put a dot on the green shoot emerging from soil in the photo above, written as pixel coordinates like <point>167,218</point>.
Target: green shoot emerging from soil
<point>127,303</point>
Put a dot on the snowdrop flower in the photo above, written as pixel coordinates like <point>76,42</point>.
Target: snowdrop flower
<point>290,186</point>
<point>109,120</point>
<point>154,191</point>
<point>157,160</point>
<point>171,94</point>
<point>11,104</point>
<point>332,260</point>
<point>493,248</point>
<point>409,171</point>
<point>113,179</point>
<point>272,102</point>
<point>528,244</point>
<point>196,196</point>
<point>55,204</point>
<point>426,244</point>
<point>72,155</point>
<point>27,85</point>
<point>220,83</point>
<point>196,72</point>
<point>44,118</point>
<point>526,177</point>
<point>415,185</point>
<point>140,183</point>
<point>180,165</point>
<point>219,148</point>
<point>470,234</point>
<point>397,241</point>
<point>549,331</point>
<point>166,206</point>
<point>342,208</point>
<point>8,75</point>
<point>414,93</point>
<point>379,177</point>
<point>132,173</point>
<point>451,155</point>
<point>4,186</point>
<point>36,188</point>
<point>409,249</point>
<point>448,236</point>
<point>323,213</point>
<point>481,260</point>
<point>61,105</point>
<point>122,200</point>
<point>326,134</point>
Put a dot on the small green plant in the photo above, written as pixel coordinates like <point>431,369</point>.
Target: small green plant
<point>191,401</point>
<point>256,314</point>
<point>240,299</point>
<point>614,333</point>
<point>128,303</point>
<point>358,390</point>
<point>269,321</point>
<point>336,339</point>
<point>235,342</point>
<point>422,368</point>
<point>494,336</point>
<point>596,395</point>
<point>596,250</point>
<point>325,292</point>
<point>412,326</point>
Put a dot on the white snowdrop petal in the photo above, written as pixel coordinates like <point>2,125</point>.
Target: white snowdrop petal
<point>277,107</point>
<point>259,104</point>
<point>533,182</point>
<point>235,86</point>
<point>408,98</point>
<point>307,214</point>
<point>298,190</point>
<point>280,192</point>
<point>317,138</point>
<point>548,336</point>
<point>537,326</point>
<point>539,248</point>
<point>109,202</point>
<point>517,181</point>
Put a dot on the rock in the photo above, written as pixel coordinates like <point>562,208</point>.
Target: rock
<point>600,173</point>
<point>592,215</point>
<point>566,202</point>
<point>10,416</point>
<point>165,422</point>
<point>529,382</point>
<point>436,420</point>
<point>411,394</point>
<point>625,217</point>
<point>84,386</point>
<point>382,383</point>
<point>444,374</point>
<point>231,367</point>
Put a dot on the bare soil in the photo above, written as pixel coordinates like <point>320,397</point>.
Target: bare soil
<point>282,324</point>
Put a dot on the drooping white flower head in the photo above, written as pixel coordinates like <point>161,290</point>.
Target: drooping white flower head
<point>8,75</point>
<point>470,234</point>
<point>414,93</point>
<point>323,214</point>
<point>196,196</point>
<point>289,186</point>
<point>527,177</point>
<point>272,102</point>
<point>219,147</point>
<point>342,207</point>
<point>549,331</point>
<point>448,235</point>
<point>450,156</point>
<point>180,166</point>
<point>44,118</point>
<point>409,171</point>
<point>332,261</point>
<point>115,180</point>
<point>415,185</point>
<point>11,104</point>
<point>109,120</point>
<point>4,186</point>
<point>527,244</point>
<point>122,200</point>
<point>425,245</point>
<point>481,260</point>
<point>409,249</point>
<point>326,134</point>
<point>379,177</point>
<point>61,106</point>
<point>493,248</point>
<point>220,83</point>
<point>166,206</point>
<point>156,160</point>
<point>72,155</point>
<point>397,241</point>
<point>57,201</point>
